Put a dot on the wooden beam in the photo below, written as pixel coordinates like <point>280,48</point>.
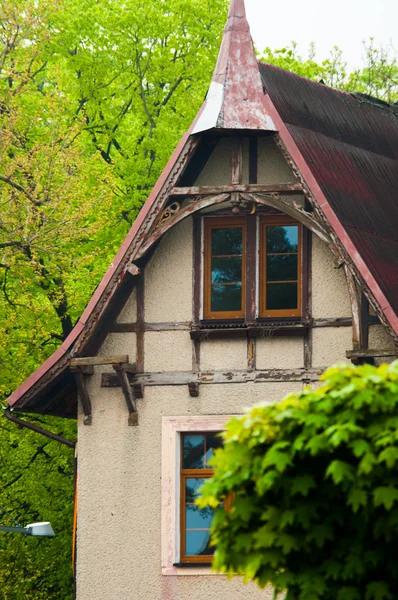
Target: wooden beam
<point>253,160</point>
<point>215,377</point>
<point>236,161</point>
<point>179,216</point>
<point>80,380</point>
<point>207,190</point>
<point>274,200</point>
<point>364,322</point>
<point>99,360</point>
<point>128,394</point>
<point>140,322</point>
<point>371,353</point>
<point>251,353</point>
<point>354,296</point>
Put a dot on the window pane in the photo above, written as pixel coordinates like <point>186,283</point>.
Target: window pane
<point>281,296</point>
<point>226,270</point>
<point>226,298</point>
<point>282,239</point>
<point>213,441</point>
<point>227,240</point>
<point>282,267</point>
<point>197,543</point>
<point>197,518</point>
<point>192,487</point>
<point>193,450</point>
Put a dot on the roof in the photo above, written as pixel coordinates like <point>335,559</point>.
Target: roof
<point>350,144</point>
<point>344,148</point>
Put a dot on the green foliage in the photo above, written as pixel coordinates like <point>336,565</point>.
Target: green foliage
<point>93,98</point>
<point>378,77</point>
<point>314,487</point>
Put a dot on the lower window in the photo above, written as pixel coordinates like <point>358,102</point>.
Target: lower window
<point>188,443</point>
<point>196,451</point>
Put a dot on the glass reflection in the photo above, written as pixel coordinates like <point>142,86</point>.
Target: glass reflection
<point>282,239</point>
<point>226,298</point>
<point>192,487</point>
<point>282,267</point>
<point>282,296</point>
<point>197,518</point>
<point>198,543</point>
<point>213,441</point>
<point>226,241</point>
<point>193,450</point>
<point>226,270</point>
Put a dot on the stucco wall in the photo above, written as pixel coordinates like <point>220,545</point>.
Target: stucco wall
<point>272,167</point>
<point>119,542</point>
<point>119,517</point>
<point>168,277</point>
<point>329,288</point>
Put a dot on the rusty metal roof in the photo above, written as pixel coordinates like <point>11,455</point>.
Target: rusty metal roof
<point>350,144</point>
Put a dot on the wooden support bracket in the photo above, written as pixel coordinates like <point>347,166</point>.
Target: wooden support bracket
<point>80,379</point>
<point>127,392</point>
<point>138,390</point>
<point>193,389</point>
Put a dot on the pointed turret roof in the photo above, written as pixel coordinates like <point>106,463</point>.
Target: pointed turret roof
<point>235,97</point>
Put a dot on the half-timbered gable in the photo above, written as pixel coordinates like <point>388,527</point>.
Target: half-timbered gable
<point>266,252</point>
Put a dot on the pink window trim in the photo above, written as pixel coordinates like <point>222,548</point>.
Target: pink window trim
<point>171,428</point>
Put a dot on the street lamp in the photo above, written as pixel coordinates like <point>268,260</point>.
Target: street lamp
<point>35,529</point>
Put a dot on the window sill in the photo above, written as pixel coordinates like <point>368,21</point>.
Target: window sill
<point>261,328</point>
<point>191,570</point>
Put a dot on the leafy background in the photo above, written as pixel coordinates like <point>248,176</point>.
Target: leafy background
<point>94,96</point>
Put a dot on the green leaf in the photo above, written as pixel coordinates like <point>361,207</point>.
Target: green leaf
<point>378,590</point>
<point>340,471</point>
<point>385,496</point>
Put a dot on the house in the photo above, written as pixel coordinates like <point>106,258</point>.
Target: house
<point>267,250</point>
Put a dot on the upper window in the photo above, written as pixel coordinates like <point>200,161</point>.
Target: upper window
<point>280,268</point>
<point>225,273</point>
<point>196,451</point>
<point>276,277</point>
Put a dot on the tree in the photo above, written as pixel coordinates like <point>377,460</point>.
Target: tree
<point>378,77</point>
<point>93,98</point>
<point>315,490</point>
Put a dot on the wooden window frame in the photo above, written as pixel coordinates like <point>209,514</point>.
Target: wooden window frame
<point>283,313</point>
<point>186,474</point>
<point>211,223</point>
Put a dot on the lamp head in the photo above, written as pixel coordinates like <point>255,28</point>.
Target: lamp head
<point>40,529</point>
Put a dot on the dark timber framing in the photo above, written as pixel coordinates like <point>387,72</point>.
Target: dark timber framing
<point>218,377</point>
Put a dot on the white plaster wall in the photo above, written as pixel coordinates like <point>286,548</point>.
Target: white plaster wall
<point>129,312</point>
<point>217,170</point>
<point>167,351</point>
<point>119,516</point>
<point>272,167</point>
<point>380,338</point>
<point>120,343</point>
<point>280,353</point>
<point>223,354</point>
<point>168,277</point>
<point>329,288</point>
<point>329,345</point>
